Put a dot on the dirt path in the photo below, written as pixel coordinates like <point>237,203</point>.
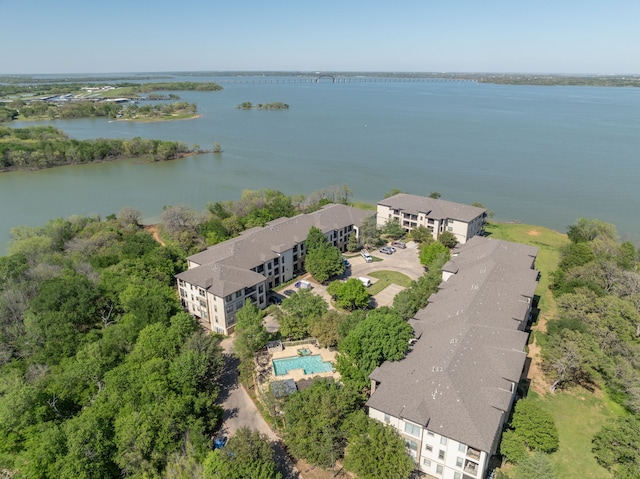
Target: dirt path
<point>155,231</point>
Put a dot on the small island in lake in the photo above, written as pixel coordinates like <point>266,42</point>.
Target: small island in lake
<point>278,105</point>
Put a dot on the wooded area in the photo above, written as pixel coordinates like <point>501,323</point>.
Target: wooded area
<point>45,146</point>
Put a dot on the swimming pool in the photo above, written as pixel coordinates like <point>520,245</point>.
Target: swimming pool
<point>310,365</point>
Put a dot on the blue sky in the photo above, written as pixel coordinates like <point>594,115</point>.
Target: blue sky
<point>539,36</point>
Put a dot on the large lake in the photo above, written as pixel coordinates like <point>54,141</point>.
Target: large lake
<point>540,155</point>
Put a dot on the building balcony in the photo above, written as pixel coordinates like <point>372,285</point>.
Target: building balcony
<point>471,468</point>
<point>473,453</point>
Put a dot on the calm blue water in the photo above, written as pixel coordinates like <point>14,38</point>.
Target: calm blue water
<point>540,155</point>
<point>310,364</point>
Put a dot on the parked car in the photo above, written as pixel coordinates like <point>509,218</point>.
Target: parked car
<point>275,300</point>
<point>220,442</point>
<point>303,284</point>
<point>386,250</point>
<point>367,257</point>
<point>365,281</point>
<point>346,263</point>
<point>399,244</point>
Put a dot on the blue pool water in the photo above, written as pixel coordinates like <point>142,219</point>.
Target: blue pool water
<point>310,364</point>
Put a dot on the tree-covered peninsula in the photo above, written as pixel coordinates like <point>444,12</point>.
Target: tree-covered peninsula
<point>45,146</point>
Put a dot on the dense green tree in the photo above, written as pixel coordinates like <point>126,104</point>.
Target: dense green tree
<point>300,310</point>
<point>375,450</point>
<point>369,233</point>
<point>247,455</point>
<point>535,466</point>
<point>531,428</point>
<point>512,447</point>
<point>435,195</point>
<point>429,253</point>
<point>536,426</point>
<point>325,329</point>
<point>421,234</point>
<point>448,239</point>
<point>393,229</point>
<point>576,254</point>
<point>314,419</point>
<point>323,260</point>
<point>587,229</point>
<point>627,256</point>
<point>251,334</point>
<point>350,294</point>
<point>382,336</point>
<point>352,243</point>
<point>616,447</point>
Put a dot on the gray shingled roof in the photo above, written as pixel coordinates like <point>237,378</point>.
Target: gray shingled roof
<point>456,379</point>
<point>433,208</point>
<point>258,245</point>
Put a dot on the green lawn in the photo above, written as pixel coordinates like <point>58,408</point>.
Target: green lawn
<point>385,278</point>
<point>579,414</point>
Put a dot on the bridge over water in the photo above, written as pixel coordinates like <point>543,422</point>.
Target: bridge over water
<point>337,79</point>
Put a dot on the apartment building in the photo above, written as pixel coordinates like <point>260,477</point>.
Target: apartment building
<point>450,397</point>
<point>221,278</point>
<point>436,215</point>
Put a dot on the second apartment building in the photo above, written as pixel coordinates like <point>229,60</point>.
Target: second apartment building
<point>436,215</point>
<point>221,278</point>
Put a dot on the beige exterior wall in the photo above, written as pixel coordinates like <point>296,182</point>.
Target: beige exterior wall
<point>220,313</point>
<point>461,229</point>
<point>435,454</point>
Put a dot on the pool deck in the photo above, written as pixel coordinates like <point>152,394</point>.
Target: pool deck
<point>298,374</point>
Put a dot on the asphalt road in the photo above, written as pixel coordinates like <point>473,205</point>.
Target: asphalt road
<point>240,411</point>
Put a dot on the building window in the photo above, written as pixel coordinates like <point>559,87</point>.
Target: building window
<point>411,444</point>
<point>441,455</point>
<point>457,475</point>
<point>428,447</point>
<point>443,440</point>
<point>439,469</point>
<point>459,461</point>
<point>412,429</point>
<point>426,462</point>
<point>462,448</point>
<point>387,418</point>
<point>429,433</point>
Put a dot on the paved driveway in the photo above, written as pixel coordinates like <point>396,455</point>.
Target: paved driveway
<point>406,261</point>
<point>240,411</point>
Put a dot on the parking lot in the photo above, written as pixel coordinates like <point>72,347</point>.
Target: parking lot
<point>405,261</point>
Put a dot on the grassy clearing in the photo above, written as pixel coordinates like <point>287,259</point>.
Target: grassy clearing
<point>385,278</point>
<point>579,414</point>
<point>364,206</point>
